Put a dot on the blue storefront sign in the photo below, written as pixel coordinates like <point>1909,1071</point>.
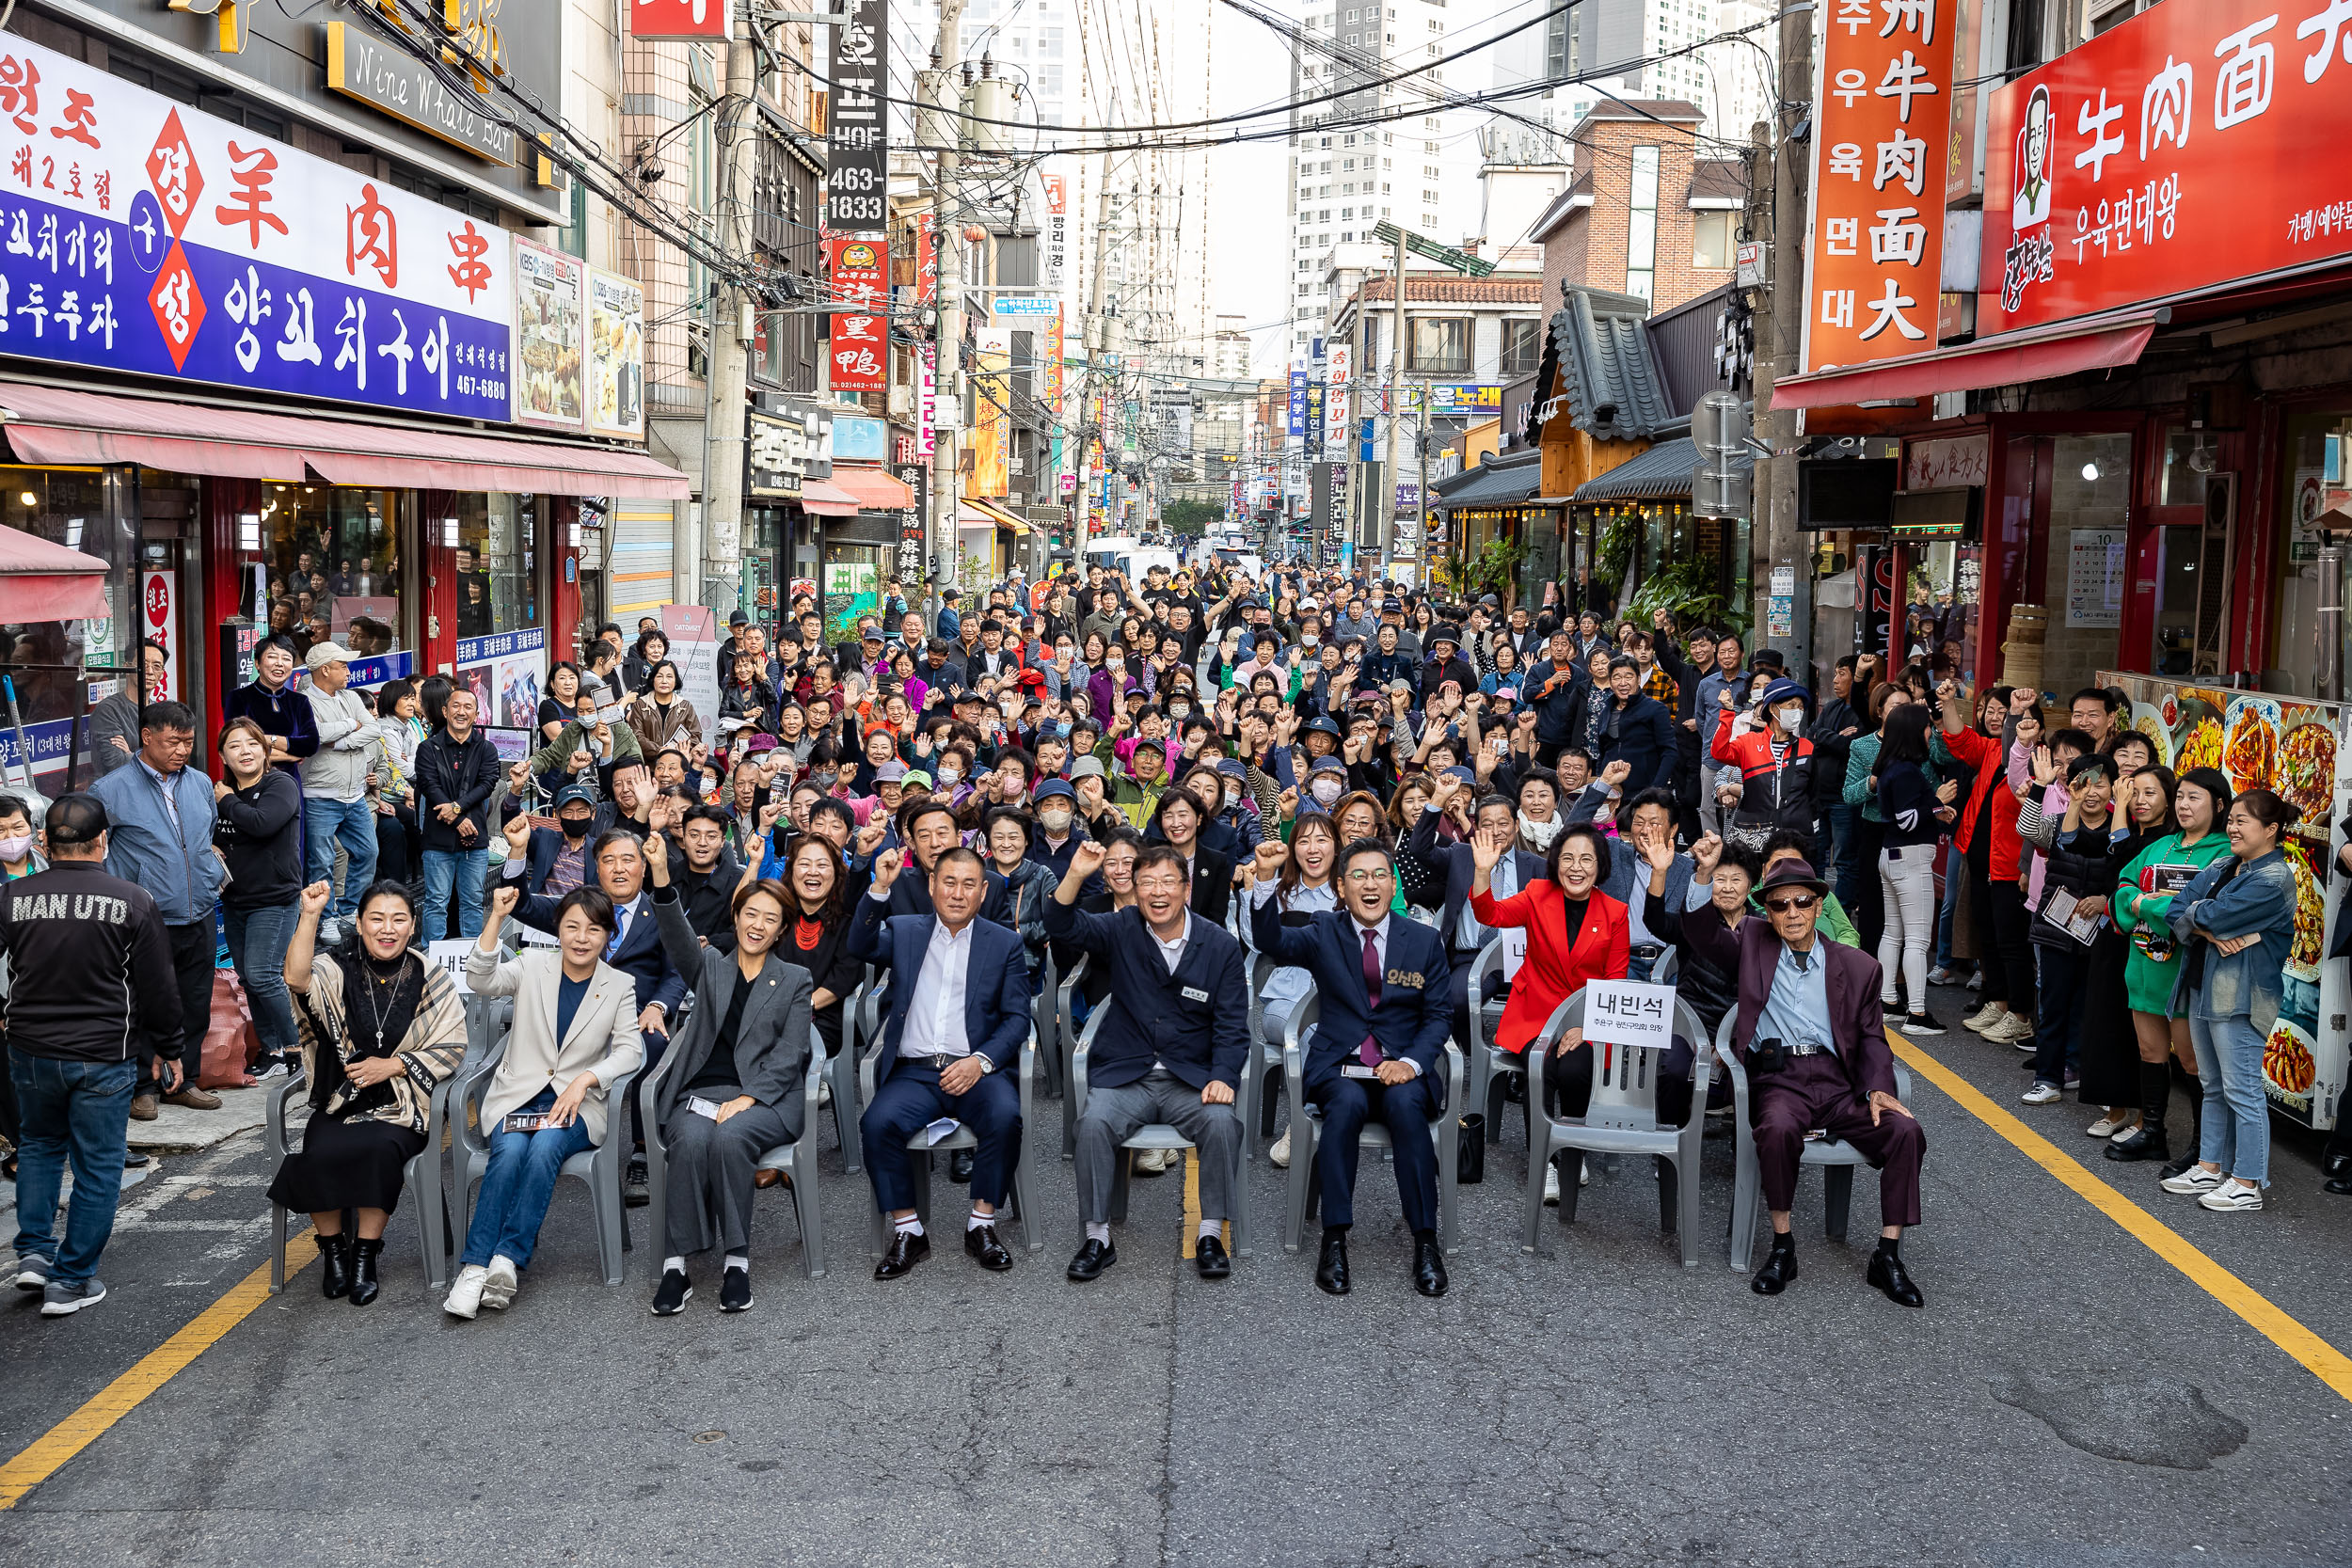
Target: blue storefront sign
<point>1299,402</point>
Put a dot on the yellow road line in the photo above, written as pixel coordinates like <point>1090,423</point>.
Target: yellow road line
<point>50,1452</point>
<point>2324,1360</point>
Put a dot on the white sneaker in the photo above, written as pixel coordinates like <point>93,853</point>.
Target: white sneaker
<point>329,934</point>
<point>1551,1185</point>
<point>465,1296</point>
<point>1583,1172</point>
<point>824,1093</point>
<point>2232,1196</point>
<point>1986,1017</point>
<point>1279,1155</point>
<point>2012,1029</point>
<point>2042,1093</point>
<point>499,1283</point>
<point>1942,977</point>
<point>2117,1122</point>
<point>1976,981</point>
<point>2192,1182</point>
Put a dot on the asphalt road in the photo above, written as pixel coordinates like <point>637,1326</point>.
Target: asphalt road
<point>2066,1398</point>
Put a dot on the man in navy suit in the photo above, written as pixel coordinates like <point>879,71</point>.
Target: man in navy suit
<point>930,832</point>
<point>959,1013</point>
<point>1171,1049</point>
<point>1383,984</point>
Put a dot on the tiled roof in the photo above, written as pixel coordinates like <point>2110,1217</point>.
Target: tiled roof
<point>1607,363</point>
<point>1496,481</point>
<point>1662,473</point>
<point>1450,289</point>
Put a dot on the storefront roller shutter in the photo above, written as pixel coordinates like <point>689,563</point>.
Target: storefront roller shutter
<point>637,559</point>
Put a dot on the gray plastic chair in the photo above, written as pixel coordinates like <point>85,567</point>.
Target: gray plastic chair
<point>1045,1016</point>
<point>1669,965</point>
<point>1620,1119</point>
<point>1157,1134</point>
<point>841,1077</point>
<point>797,1160</point>
<point>1836,1158</point>
<point>1065,1038</point>
<point>597,1168</point>
<point>1023,1211</point>
<point>421,1181</point>
<point>1307,1131</point>
<point>1489,1065</point>
<point>1257,1099</point>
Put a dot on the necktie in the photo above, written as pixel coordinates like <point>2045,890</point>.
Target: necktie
<point>1369,1052</point>
<point>620,920</point>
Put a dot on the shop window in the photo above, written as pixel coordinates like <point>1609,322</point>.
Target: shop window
<point>2085,571</point>
<point>1711,240</point>
<point>1441,345</point>
<point>76,508</point>
<point>325,562</point>
<point>2302,480</point>
<point>1522,348</point>
<point>497,552</point>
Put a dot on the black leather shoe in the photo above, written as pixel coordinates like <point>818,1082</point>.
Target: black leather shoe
<point>2172,1168</point>
<point>2340,1185</point>
<point>1888,1275</point>
<point>1429,1266</point>
<point>675,1291</point>
<point>634,1191</point>
<point>959,1166</point>
<point>986,1249</point>
<point>1092,1259</point>
<point>335,1265</point>
<point>907,1249</point>
<point>2335,1165</point>
<point>2145,1141</point>
<point>364,1285</point>
<point>1209,1257</point>
<point>1780,1267</point>
<point>1331,1272</point>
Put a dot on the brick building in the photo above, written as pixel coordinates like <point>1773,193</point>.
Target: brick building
<point>1644,214</point>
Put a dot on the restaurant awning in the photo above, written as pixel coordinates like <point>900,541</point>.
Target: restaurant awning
<point>45,581</point>
<point>2090,344</point>
<point>871,488</point>
<point>1490,484</point>
<point>994,516</point>
<point>62,425</point>
<point>1662,473</point>
<point>827,500</point>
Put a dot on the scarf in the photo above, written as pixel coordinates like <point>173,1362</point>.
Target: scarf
<point>1540,834</point>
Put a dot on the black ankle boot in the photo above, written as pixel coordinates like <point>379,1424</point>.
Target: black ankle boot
<point>335,1264</point>
<point>363,1282</point>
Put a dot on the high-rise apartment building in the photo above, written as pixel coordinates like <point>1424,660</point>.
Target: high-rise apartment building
<point>1652,49</point>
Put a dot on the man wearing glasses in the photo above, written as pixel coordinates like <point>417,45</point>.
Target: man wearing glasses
<point>1384,992</point>
<point>1810,1033</point>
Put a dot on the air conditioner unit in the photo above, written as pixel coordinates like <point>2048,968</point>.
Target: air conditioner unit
<point>902,401</point>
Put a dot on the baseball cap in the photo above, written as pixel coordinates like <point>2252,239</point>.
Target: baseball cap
<point>575,794</point>
<point>916,779</point>
<point>1052,787</point>
<point>1086,768</point>
<point>324,654</point>
<point>1233,767</point>
<point>738,619</point>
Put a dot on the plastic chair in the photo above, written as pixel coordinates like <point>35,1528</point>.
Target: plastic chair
<point>1045,1016</point>
<point>1836,1158</point>
<point>1032,1233</point>
<point>1159,1135</point>
<point>421,1181</point>
<point>1065,1038</point>
<point>797,1159</point>
<point>1307,1131</point>
<point>1621,1118</point>
<point>1489,1065</point>
<point>1669,964</point>
<point>599,1168</point>
<point>1256,1101</point>
<point>841,1077</point>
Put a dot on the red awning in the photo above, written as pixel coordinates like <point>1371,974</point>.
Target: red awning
<point>2092,344</point>
<point>41,581</point>
<point>59,424</point>
<point>872,489</point>
<point>827,500</point>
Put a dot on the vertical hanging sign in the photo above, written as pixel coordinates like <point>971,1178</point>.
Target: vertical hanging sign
<point>857,120</point>
<point>859,351</point>
<point>1874,240</point>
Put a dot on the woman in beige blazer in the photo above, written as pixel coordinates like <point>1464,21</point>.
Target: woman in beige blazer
<point>661,717</point>
<point>574,1036</point>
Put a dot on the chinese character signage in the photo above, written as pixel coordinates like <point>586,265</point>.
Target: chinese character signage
<point>857,136</point>
<point>2185,148</point>
<point>551,377</point>
<point>617,357</point>
<point>144,237</point>
<point>859,351</point>
<point>1299,402</point>
<point>680,18</point>
<point>1875,243</point>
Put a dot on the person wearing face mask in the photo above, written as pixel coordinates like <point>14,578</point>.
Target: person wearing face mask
<point>1059,831</point>
<point>555,859</point>
<point>1327,781</point>
<point>1236,808</point>
<point>1774,760</point>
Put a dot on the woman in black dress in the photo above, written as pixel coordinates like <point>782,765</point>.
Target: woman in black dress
<point>381,1030</point>
<point>817,937</point>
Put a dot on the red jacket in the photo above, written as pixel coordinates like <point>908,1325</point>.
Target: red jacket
<point>1557,964</point>
<point>1985,754</point>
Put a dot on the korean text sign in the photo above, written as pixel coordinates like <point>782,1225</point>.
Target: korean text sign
<point>861,328</point>
<point>144,236</point>
<point>680,18</point>
<point>2188,146</point>
<point>1875,243</point>
<point>857,124</point>
<point>1627,1012</point>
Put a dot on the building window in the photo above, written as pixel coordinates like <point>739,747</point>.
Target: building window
<point>1522,348</point>
<point>1641,243</point>
<point>1440,346</point>
<point>1711,240</point>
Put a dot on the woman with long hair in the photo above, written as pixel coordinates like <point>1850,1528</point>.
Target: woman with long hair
<point>817,938</point>
<point>2197,806</point>
<point>380,1029</point>
<point>2109,1037</point>
<point>256,827</point>
<point>399,849</point>
<point>1423,885</point>
<point>1305,889</point>
<point>1914,812</point>
<point>661,718</point>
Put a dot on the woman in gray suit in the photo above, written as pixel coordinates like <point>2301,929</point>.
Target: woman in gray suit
<point>728,1091</point>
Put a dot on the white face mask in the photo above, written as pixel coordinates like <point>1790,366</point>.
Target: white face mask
<point>950,775</point>
<point>1232,796</point>
<point>1791,716</point>
<point>1325,790</point>
<point>1055,822</point>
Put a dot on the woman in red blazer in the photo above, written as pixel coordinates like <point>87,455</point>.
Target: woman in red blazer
<point>1560,957</point>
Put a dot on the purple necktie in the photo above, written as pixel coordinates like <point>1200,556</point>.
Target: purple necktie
<point>1368,1053</point>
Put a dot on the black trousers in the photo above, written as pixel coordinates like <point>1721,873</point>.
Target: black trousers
<point>2005,930</point>
<point>1870,907</point>
<point>192,949</point>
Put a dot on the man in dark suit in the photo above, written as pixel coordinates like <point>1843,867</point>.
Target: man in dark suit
<point>1810,1033</point>
<point>1463,937</point>
<point>1556,689</point>
<point>930,832</point>
<point>1636,730</point>
<point>1171,1049</point>
<point>1379,1050</point>
<point>556,860</point>
<point>959,1013</point>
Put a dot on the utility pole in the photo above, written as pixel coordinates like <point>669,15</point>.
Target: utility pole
<point>1780,332</point>
<point>725,376</point>
<point>1386,510</point>
<point>947,242</point>
<point>1098,342</point>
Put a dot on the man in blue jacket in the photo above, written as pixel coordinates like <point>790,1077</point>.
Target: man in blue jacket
<point>1637,730</point>
<point>160,837</point>
<point>1555,690</point>
<point>1171,1048</point>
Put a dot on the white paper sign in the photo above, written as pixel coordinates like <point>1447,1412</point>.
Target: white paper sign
<point>449,956</point>
<point>1628,1012</point>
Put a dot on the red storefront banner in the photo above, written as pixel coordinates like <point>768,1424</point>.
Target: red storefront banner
<point>861,323</point>
<point>1875,236</point>
<point>678,19</point>
<point>2174,152</point>
<point>926,261</point>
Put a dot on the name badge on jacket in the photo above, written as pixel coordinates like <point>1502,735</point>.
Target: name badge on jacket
<point>1411,978</point>
<point>1194,993</point>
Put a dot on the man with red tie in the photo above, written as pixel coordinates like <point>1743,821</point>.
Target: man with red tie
<point>1382,982</point>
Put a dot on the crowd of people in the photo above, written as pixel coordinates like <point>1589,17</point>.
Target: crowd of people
<point>1367,786</point>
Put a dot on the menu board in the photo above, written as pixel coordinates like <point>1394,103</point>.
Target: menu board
<point>2261,741</point>
<point>547,376</point>
<point>617,357</point>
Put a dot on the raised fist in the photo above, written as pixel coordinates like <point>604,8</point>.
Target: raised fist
<point>886,867</point>
<point>1086,859</point>
<point>503,898</point>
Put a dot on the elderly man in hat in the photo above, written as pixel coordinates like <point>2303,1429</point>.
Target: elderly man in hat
<point>1809,1031</point>
<point>335,805</point>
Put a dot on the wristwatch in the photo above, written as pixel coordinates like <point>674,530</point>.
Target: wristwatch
<point>987,1067</point>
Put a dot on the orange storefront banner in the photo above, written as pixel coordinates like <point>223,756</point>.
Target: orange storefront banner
<point>1875,240</point>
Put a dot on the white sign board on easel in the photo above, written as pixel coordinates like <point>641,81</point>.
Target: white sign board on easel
<point>1628,1012</point>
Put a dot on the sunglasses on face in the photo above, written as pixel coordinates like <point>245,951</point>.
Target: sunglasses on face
<point>1797,904</point>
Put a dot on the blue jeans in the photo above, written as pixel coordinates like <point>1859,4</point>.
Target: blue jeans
<point>70,1110</point>
<point>256,941</point>
<point>516,1187</point>
<point>352,823</point>
<point>468,866</point>
<point>1955,873</point>
<point>2234,1132</point>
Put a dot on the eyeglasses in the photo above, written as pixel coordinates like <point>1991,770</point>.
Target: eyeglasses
<point>1159,884</point>
<point>1798,905</point>
<point>1380,873</point>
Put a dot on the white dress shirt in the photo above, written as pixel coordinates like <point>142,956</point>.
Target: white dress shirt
<point>1172,952</point>
<point>935,1010</point>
